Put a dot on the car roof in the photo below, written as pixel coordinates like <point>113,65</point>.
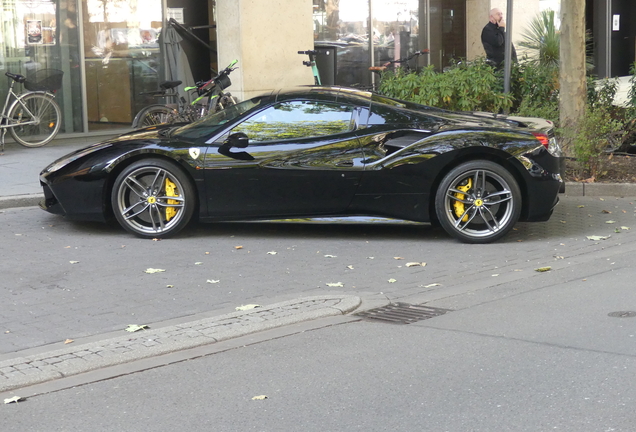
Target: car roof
<point>325,93</point>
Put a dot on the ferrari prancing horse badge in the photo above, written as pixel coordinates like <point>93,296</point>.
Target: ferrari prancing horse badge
<point>194,153</point>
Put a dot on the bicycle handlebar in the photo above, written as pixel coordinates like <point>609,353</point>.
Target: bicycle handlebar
<point>402,60</point>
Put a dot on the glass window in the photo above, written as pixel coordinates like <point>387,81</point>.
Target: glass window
<point>213,122</point>
<point>121,48</point>
<point>298,119</point>
<point>43,34</point>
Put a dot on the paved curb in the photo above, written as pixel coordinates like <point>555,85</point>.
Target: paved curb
<point>571,189</point>
<point>28,200</point>
<point>75,359</point>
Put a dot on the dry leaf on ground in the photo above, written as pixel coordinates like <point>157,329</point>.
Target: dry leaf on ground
<point>153,270</point>
<point>134,327</point>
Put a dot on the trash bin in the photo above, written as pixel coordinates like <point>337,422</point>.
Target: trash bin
<point>327,63</point>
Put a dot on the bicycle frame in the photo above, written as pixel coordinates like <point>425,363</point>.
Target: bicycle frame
<point>5,121</point>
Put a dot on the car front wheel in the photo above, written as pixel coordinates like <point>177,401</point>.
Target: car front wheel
<point>153,198</point>
<point>478,202</point>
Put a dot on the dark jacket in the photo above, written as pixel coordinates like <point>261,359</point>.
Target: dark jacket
<point>493,38</point>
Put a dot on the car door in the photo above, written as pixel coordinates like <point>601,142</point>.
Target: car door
<point>303,158</point>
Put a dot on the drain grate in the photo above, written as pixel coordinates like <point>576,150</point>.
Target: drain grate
<point>402,313</point>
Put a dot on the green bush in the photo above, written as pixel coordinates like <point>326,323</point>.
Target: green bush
<point>535,90</point>
<point>462,87</point>
<point>593,135</point>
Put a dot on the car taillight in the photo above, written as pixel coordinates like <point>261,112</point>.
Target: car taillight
<point>543,138</point>
<point>550,144</point>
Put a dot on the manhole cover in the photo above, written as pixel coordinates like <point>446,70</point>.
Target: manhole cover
<point>402,313</point>
<point>622,314</point>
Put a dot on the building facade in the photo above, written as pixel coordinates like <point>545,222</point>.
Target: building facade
<point>113,51</point>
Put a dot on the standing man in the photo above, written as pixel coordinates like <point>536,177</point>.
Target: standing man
<point>493,37</point>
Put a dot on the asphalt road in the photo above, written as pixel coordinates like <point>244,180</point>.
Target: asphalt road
<point>521,350</point>
<point>70,280</point>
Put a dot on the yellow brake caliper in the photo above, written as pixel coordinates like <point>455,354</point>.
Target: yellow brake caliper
<point>171,191</point>
<point>459,206</point>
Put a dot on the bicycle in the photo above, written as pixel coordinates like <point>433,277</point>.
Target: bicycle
<point>399,62</point>
<point>33,118</point>
<point>180,111</point>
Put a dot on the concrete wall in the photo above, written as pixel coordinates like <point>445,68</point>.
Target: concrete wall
<point>265,37</point>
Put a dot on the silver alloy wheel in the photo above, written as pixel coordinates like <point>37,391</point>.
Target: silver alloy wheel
<point>147,203</point>
<point>478,202</point>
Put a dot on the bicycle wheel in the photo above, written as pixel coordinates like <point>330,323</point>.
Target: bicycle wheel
<point>154,115</point>
<point>37,118</point>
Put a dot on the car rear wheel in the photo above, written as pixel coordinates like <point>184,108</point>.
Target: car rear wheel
<point>153,198</point>
<point>478,202</point>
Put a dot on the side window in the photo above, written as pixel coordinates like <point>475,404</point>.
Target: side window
<point>298,119</point>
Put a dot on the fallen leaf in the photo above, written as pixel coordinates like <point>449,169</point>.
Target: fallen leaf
<point>68,341</point>
<point>581,206</point>
<point>610,222</point>
<point>247,307</point>
<point>14,399</point>
<point>398,258</point>
<point>392,280</point>
<point>169,286</point>
<point>370,257</point>
<point>543,269</point>
<point>156,239</point>
<point>74,262</point>
<point>558,257</point>
<point>271,253</point>
<point>335,284</point>
<point>198,263</point>
<point>602,199</point>
<point>625,228</point>
<point>212,281</point>
<point>134,327</point>
<point>350,267</point>
<point>261,397</point>
<point>207,253</point>
<point>495,275</point>
<point>596,238</point>
<point>154,270</point>
<point>415,264</point>
<point>432,285</point>
<point>238,247</point>
<point>67,247</point>
<point>606,211</point>
<point>330,256</point>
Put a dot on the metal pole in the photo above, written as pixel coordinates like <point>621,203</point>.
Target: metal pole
<point>508,51</point>
<point>371,54</point>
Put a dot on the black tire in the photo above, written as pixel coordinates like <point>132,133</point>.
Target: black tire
<point>154,115</point>
<point>38,117</point>
<point>153,198</point>
<point>478,202</point>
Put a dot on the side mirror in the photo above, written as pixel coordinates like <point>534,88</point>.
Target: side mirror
<point>237,139</point>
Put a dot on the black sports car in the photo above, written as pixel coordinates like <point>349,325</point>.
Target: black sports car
<point>317,152</point>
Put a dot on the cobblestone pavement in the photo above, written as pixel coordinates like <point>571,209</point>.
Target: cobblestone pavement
<point>74,359</point>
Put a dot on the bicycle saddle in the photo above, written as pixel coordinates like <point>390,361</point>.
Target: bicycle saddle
<point>167,85</point>
<point>16,77</point>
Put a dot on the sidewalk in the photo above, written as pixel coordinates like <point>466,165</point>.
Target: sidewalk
<point>19,370</point>
<point>20,169</point>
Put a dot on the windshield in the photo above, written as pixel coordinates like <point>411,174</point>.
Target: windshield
<point>213,122</point>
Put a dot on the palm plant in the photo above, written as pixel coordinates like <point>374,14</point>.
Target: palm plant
<point>542,39</point>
